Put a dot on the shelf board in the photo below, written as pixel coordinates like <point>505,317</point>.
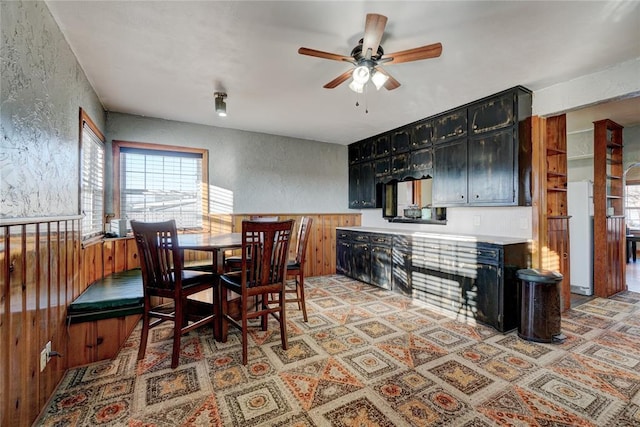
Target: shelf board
<point>555,151</point>
<point>614,197</point>
<point>613,177</point>
<point>556,174</point>
<point>611,144</point>
<point>553,189</point>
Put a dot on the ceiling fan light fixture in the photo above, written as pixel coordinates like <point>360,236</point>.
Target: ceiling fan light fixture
<point>379,79</point>
<point>361,74</point>
<point>356,87</point>
<point>220,105</point>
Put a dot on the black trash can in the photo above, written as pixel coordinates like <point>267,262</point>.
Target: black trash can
<point>540,306</point>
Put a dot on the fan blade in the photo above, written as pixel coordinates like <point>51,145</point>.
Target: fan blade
<point>338,80</point>
<point>325,55</point>
<point>425,52</point>
<point>373,30</point>
<point>391,83</point>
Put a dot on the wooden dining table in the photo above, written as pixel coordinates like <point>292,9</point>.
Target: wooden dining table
<point>217,244</point>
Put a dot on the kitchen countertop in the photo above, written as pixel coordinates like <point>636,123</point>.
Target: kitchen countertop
<point>496,240</point>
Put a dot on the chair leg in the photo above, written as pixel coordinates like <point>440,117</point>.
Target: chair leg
<point>283,319</point>
<point>245,325</point>
<point>300,293</point>
<point>177,333</point>
<point>145,333</point>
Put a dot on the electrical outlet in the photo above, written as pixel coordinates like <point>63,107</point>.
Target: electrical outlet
<point>43,359</point>
<point>48,349</point>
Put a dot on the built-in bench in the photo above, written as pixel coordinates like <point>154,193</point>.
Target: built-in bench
<point>103,316</point>
<point>118,294</point>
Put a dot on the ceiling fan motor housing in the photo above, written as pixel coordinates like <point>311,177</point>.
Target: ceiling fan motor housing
<point>357,54</point>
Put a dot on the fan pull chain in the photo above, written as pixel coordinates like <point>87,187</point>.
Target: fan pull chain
<point>366,104</point>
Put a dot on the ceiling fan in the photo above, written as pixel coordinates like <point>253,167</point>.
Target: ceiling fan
<point>368,58</point>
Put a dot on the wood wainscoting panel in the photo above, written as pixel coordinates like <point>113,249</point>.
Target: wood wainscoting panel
<point>40,260</point>
<point>321,253</point>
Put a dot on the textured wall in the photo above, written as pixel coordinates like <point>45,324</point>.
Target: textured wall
<point>42,88</point>
<point>263,173</point>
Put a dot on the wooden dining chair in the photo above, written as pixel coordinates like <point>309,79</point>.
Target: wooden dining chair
<point>265,249</point>
<point>232,262</point>
<point>296,267</point>
<point>163,276</point>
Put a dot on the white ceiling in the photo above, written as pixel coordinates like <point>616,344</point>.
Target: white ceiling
<point>166,59</point>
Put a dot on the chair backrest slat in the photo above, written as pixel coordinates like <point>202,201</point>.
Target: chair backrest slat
<point>303,237</point>
<point>265,246</point>
<point>160,258</point>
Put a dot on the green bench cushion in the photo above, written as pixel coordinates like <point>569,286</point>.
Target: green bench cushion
<point>119,294</point>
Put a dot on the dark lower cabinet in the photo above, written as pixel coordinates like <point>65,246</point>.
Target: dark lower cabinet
<point>365,257</point>
<point>381,264</point>
<point>401,263</point>
<point>343,256</point>
<point>468,280</point>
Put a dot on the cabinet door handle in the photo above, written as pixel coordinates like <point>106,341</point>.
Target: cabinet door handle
<point>477,196</point>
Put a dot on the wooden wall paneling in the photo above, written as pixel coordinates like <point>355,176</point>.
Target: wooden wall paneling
<point>5,312</point>
<point>108,257</point>
<point>32,338</point>
<point>37,262</point>
<point>81,346</point>
<point>132,260</point>
<point>120,258</point>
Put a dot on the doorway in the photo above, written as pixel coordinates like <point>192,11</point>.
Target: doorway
<point>632,213</point>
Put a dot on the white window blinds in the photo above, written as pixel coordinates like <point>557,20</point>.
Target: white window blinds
<point>157,185</point>
<point>91,182</point>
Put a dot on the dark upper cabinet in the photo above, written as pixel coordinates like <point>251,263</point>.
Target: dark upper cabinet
<point>361,151</point>
<point>421,163</point>
<point>450,125</point>
<point>492,168</point>
<point>383,169</point>
<point>481,154</point>
<point>450,173</point>
<point>367,150</point>
<point>489,115</point>
<point>401,141</point>
<point>354,153</point>
<point>362,186</point>
<point>382,146</point>
<point>400,166</point>
<point>422,134</point>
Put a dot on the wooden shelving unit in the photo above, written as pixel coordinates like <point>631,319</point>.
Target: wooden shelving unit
<point>555,253</point>
<point>609,221</point>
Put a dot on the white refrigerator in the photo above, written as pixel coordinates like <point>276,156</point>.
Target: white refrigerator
<point>580,208</point>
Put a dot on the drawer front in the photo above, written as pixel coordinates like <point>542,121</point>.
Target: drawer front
<point>361,237</point>
<point>343,235</point>
<point>381,239</point>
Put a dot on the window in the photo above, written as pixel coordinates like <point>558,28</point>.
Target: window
<point>91,177</point>
<point>632,206</point>
<point>158,183</point>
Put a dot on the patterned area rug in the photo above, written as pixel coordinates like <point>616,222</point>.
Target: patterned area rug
<point>370,357</point>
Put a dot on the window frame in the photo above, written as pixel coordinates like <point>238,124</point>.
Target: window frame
<point>84,119</point>
<point>117,145</point>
